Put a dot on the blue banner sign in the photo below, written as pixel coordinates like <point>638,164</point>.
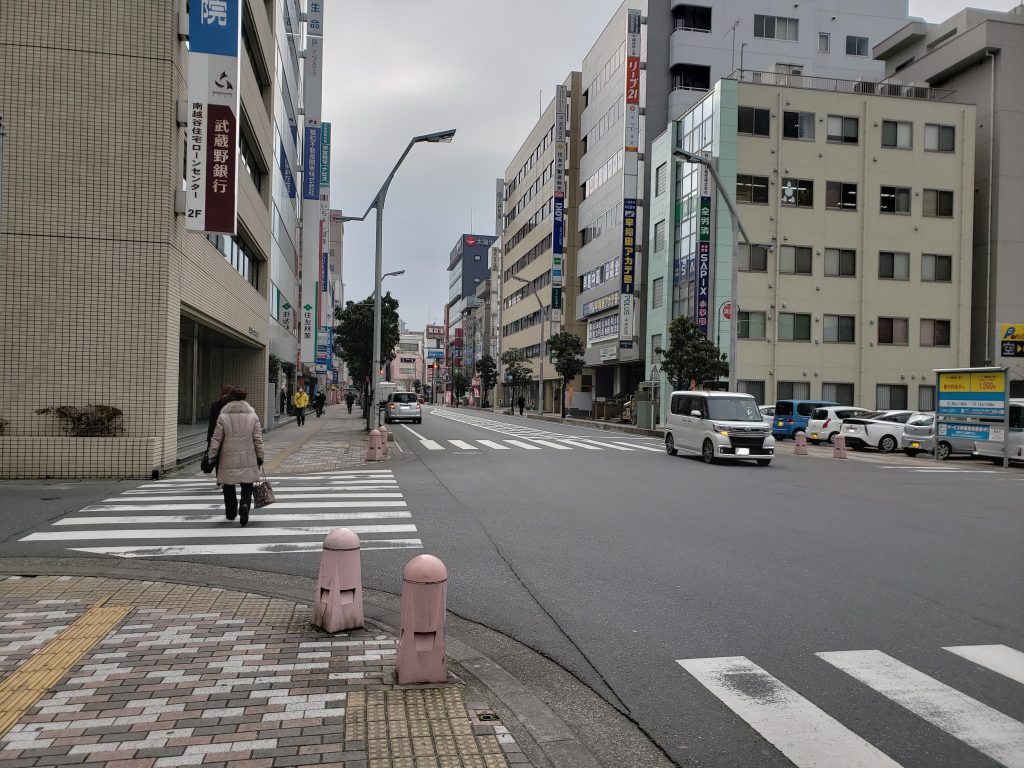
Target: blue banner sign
<point>213,27</point>
<point>979,432</point>
<point>311,164</point>
<point>558,229</point>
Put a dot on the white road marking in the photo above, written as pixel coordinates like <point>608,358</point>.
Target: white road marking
<point>202,533</point>
<point>580,444</point>
<point>415,434</point>
<point>215,518</point>
<point>463,445</point>
<point>525,446</point>
<point>494,445</point>
<point>430,445</point>
<point>282,494</point>
<point>641,447</point>
<point>254,548</point>
<point>805,734</point>
<point>999,658</point>
<point>607,445</point>
<point>211,487</point>
<point>214,505</point>
<point>550,444</point>
<point>987,730</point>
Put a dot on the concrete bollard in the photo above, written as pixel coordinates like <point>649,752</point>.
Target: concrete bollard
<point>801,444</point>
<point>421,647</point>
<point>839,447</point>
<point>385,435</point>
<point>374,448</point>
<point>338,601</point>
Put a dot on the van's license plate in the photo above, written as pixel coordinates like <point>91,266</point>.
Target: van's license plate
<point>814,435</point>
<point>781,423</point>
<point>915,445</point>
<point>742,451</point>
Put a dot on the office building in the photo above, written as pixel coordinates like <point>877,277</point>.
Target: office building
<point>467,269</point>
<point>856,282</point>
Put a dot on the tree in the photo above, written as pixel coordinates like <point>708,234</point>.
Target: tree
<point>690,356</point>
<point>417,385</point>
<point>488,371</point>
<point>459,384</point>
<point>567,350</point>
<point>517,371</point>
<point>353,336</point>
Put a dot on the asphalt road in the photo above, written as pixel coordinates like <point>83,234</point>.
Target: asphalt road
<point>619,562</point>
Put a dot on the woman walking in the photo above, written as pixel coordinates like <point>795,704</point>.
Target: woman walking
<point>237,447</point>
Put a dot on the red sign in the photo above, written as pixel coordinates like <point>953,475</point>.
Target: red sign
<point>727,310</point>
<point>632,79</point>
<point>470,240</point>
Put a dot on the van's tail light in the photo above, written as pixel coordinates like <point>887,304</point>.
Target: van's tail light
<point>789,421</point>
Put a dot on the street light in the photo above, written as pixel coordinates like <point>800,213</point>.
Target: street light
<point>682,156</point>
<point>540,387</point>
<point>441,137</point>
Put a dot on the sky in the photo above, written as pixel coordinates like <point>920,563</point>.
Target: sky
<point>396,68</point>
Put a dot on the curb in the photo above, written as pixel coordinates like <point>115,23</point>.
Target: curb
<point>546,738</point>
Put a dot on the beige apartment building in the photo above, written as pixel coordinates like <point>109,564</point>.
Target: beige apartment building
<point>859,201</point>
<point>107,302</point>
<point>530,308</point>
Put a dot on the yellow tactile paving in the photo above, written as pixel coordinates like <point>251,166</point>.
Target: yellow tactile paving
<point>44,669</point>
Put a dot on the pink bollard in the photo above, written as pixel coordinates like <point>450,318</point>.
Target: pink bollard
<point>839,447</point>
<point>801,445</point>
<point>374,448</point>
<point>338,602</point>
<point>385,435</point>
<point>421,648</point>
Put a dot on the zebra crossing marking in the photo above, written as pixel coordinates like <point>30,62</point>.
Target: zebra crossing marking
<point>494,445</point>
<point>246,549</point>
<point>463,445</point>
<point>117,534</point>
<point>1007,661</point>
<point>524,446</point>
<point>551,444</point>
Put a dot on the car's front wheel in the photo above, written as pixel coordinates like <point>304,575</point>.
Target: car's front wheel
<point>707,452</point>
<point>888,444</point>
<point>670,445</point>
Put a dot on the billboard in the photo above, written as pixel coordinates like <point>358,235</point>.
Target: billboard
<point>211,173</point>
<point>1011,340</point>
<point>973,403</point>
<point>628,274</point>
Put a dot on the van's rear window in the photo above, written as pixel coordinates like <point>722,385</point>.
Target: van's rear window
<point>783,409</point>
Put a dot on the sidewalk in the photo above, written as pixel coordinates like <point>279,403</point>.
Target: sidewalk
<point>337,440</point>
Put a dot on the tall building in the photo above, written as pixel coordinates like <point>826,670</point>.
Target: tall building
<point>408,366</point>
<point>980,55</point>
<point>539,243</point>
<point>856,282</point>
<point>467,268</point>
<point>153,272</point>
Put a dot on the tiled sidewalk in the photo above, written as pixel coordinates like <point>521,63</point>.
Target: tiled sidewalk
<point>335,441</point>
<point>186,675</point>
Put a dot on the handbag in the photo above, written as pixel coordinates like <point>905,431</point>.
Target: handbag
<point>206,465</point>
<point>263,493</point>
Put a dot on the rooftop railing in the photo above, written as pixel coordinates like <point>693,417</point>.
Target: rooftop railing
<point>876,87</point>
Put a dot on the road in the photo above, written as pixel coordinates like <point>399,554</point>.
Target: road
<point>821,612</point>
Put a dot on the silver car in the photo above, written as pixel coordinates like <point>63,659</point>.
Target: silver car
<point>919,437</point>
<point>403,406</point>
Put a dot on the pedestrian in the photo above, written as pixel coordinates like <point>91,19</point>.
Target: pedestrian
<point>319,400</point>
<point>237,447</point>
<point>215,412</point>
<point>521,402</point>
<point>300,401</point>
<point>349,399</point>
<point>284,402</point>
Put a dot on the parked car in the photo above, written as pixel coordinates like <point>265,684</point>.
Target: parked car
<point>825,423</point>
<point>791,416</point>
<point>877,429</point>
<point>919,437</point>
<point>402,406</point>
<point>767,413</point>
<point>718,425</point>
<point>993,449</point>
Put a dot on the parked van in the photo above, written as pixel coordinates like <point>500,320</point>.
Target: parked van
<point>993,449</point>
<point>791,416</point>
<point>718,425</point>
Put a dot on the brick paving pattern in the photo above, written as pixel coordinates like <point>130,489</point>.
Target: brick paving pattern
<point>203,676</point>
<point>335,441</point>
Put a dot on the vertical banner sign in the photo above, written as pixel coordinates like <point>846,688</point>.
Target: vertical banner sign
<point>325,223</point>
<point>214,29</point>
<point>626,321</point>
<point>558,225</point>
<point>703,263</point>
<point>312,213</point>
<point>630,180</point>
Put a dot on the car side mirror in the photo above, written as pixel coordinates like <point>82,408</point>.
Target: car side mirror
<point>695,414</point>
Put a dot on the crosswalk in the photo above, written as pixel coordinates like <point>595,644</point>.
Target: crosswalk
<point>185,517</point>
<point>526,438</point>
<point>811,738</point>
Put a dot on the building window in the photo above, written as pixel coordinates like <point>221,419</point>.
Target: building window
<point>824,42</point>
<point>776,27</point>
<point>891,397</point>
<point>692,17</point>
<point>892,330</point>
<point>839,329</point>
<point>794,390</point>
<point>240,254</point>
<point>840,262</point>
<point>794,327</point>
<point>752,325</point>
<point>659,236</point>
<point>893,266</point>
<point>753,388</point>
<point>798,125</point>
<point>250,160</point>
<point>837,392</point>
<point>935,333</point>
<point>751,189</point>
<point>275,302</point>
<point>897,134</point>
<point>661,179</point>
<point>655,344</point>
<point>798,192</point>
<point>843,130</point>
<point>938,203</point>
<point>753,258</point>
<point>796,260</point>
<point>691,77</point>
<point>856,46</point>
<point>895,200</point>
<point>926,397</point>
<point>939,138</point>
<point>753,121</point>
<point>936,268</point>
<point>840,196</point>
<point>657,292</point>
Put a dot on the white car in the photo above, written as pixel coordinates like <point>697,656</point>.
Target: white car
<point>767,413</point>
<point>718,426</point>
<point>825,423</point>
<point>877,429</point>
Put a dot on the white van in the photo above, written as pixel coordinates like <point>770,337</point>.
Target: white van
<point>993,449</point>
<point>718,425</point>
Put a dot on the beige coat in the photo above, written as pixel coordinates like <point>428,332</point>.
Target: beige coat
<point>237,443</point>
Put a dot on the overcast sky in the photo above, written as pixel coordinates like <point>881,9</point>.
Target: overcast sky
<point>396,68</point>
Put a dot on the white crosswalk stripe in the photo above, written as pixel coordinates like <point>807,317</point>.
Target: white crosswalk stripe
<point>524,446</point>
<point>185,516</point>
<point>494,445</point>
<point>811,738</point>
<point>463,445</point>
